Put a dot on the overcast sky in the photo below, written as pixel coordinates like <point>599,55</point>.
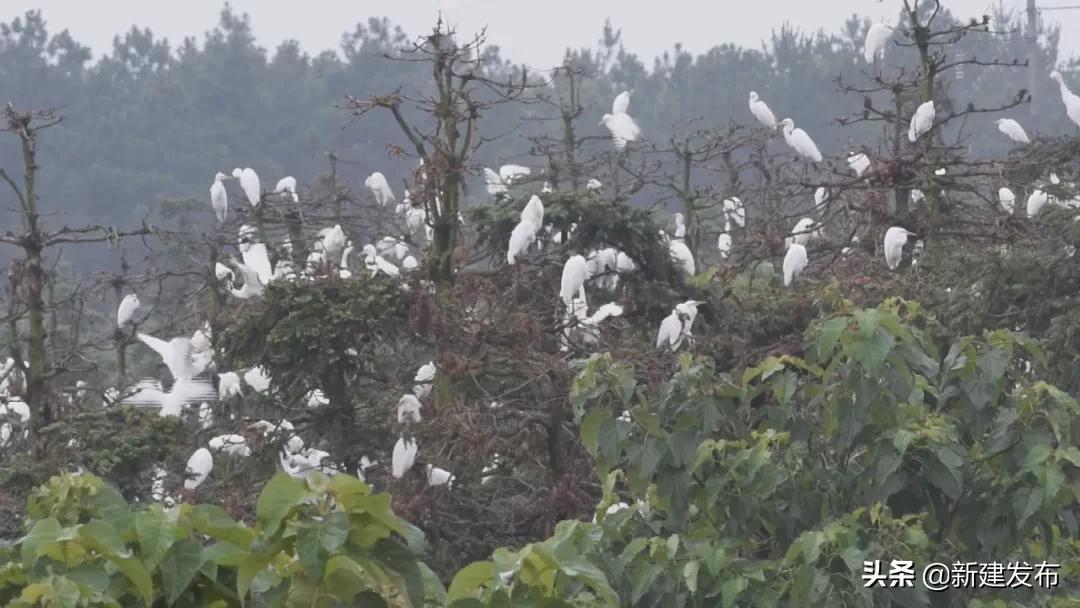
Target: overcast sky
<point>532,32</point>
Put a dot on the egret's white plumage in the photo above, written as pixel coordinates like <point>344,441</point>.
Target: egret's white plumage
<point>533,211</point>
<point>252,287</point>
<point>876,38</point>
<point>257,379</point>
<point>803,231</point>
<point>126,311</point>
<point>176,354</point>
<point>621,105</point>
<point>593,185</point>
<point>403,457</point>
<point>219,197</point>
<point>229,385</point>
<point>723,243</point>
<point>222,272</point>
<point>249,181</point>
<point>380,189</point>
<point>821,195</point>
<point>734,210</point>
<point>198,468</point>
<point>390,247</point>
<point>231,444</point>
<point>1013,130</point>
<point>682,257</point>
<point>575,272</point>
<point>1007,200</point>
<point>439,477</point>
<point>761,111</point>
<point>859,163</point>
<point>287,185</point>
<point>895,238</point>
<point>408,409</point>
<point>511,174</point>
<point>922,121</point>
<point>1070,99</point>
<point>794,262</point>
<point>624,263</point>
<point>257,258</point>
<point>622,127</point>
<point>680,226</point>
<point>1036,201</point>
<point>524,234</point>
<point>495,185</point>
<point>375,263</point>
<point>425,377</point>
<point>800,141</point>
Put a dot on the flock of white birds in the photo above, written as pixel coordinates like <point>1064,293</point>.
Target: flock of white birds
<point>188,358</point>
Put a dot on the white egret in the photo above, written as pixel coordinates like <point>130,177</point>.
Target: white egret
<point>222,272</point>
<point>257,258</point>
<point>676,327</point>
<point>1036,201</point>
<point>804,230</point>
<point>229,386</point>
<point>876,38</point>
<point>593,185</point>
<point>495,185</point>
<point>249,181</point>
<point>533,211</point>
<point>424,379</point>
<point>1007,200</point>
<point>315,399</point>
<point>922,121</point>
<point>859,163</point>
<point>821,195</point>
<point>257,379</point>
<point>734,210</point>
<point>524,234</point>
<point>403,457</point>
<point>680,226</point>
<point>333,241</point>
<point>287,185</point>
<point>439,477</point>
<point>794,262</point>
<point>176,354</point>
<point>723,243</point>
<point>511,174</point>
<point>761,111</point>
<point>233,445</point>
<point>375,263</point>
<point>622,127</point>
<point>624,263</point>
<point>206,415</point>
<point>390,247</point>
<point>1013,130</point>
<point>198,468</point>
<point>1070,99</point>
<point>917,196</point>
<point>575,272</point>
<point>219,197</point>
<point>800,141</point>
<point>546,189</point>
<point>895,238</point>
<point>589,330</point>
<point>126,311</point>
<point>682,257</point>
<point>380,189</point>
<point>410,263</point>
<point>408,409</point>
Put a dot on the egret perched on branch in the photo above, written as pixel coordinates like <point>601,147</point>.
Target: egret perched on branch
<point>425,377</point>
<point>680,226</point>
<point>219,197</point>
<point>724,242</point>
<point>593,185</point>
<point>390,247</point>
<point>258,259</point>
<point>895,238</point>
<point>794,262</point>
<point>249,181</point>
<point>252,287</point>
<point>588,324</point>
<point>803,231</point>
<point>287,185</point>
<point>575,272</point>
<point>800,141</point>
<point>682,257</point>
<point>229,385</point>
<point>624,264</point>
<point>1036,201</point>
<point>257,379</point>
<point>333,243</point>
<point>222,272</point>
<point>821,195</point>
<point>176,354</point>
<point>403,457</point>
<point>859,163</point>
<point>198,468</point>
<point>524,234</point>
<point>1007,200</point>
<point>534,211</point>
<point>439,477</point>
<point>922,121</point>
<point>1013,130</point>
<point>376,264</point>
<point>876,38</point>
<point>1070,99</point>
<point>761,111</point>
<point>622,127</point>
<point>676,327</point>
<point>380,189</point>
<point>734,210</point>
<point>408,409</point>
<point>127,308</point>
<point>233,445</point>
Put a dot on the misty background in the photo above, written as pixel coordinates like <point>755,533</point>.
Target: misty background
<point>151,115</point>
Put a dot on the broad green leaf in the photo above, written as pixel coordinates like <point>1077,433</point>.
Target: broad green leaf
<point>278,497</point>
<point>214,522</point>
<point>470,579</point>
<point>157,532</point>
<point>139,576</point>
<point>179,567</point>
<point>44,531</point>
<point>830,334</point>
<point>690,572</point>
<point>730,590</point>
<point>590,428</point>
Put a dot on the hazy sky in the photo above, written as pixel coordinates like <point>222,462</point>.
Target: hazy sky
<point>532,32</point>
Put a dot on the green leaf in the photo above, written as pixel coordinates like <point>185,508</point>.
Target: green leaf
<point>830,334</point>
<point>179,567</point>
<point>278,497</point>
<point>214,522</point>
<point>157,532</point>
<point>103,538</point>
<point>690,572</point>
<point>44,532</point>
<point>469,579</point>
<point>1035,456</point>
<point>731,589</point>
<point>139,576</point>
<point>590,429</point>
